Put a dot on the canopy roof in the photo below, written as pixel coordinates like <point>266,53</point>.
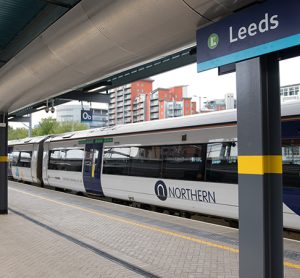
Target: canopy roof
<point>97,39</point>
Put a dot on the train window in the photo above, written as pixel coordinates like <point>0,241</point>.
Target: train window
<point>66,160</point>
<point>291,164</point>
<point>73,159</point>
<point>145,162</point>
<point>25,159</point>
<point>15,158</point>
<point>221,163</point>
<point>116,161</point>
<point>183,162</point>
<point>54,160</point>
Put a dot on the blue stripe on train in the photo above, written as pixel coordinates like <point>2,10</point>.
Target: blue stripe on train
<point>291,197</point>
<point>290,129</point>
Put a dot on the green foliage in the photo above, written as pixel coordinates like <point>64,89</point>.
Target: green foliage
<point>70,126</point>
<point>18,133</point>
<point>51,126</point>
<point>46,126</point>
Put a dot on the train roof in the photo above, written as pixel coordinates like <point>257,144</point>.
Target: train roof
<point>204,119</point>
<point>28,140</point>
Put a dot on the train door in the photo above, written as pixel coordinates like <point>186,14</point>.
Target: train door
<point>34,163</point>
<point>92,168</point>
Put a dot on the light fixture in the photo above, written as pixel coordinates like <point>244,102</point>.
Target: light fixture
<point>96,89</point>
<point>40,108</point>
<point>98,86</point>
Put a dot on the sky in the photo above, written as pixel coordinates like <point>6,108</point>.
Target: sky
<point>209,84</point>
<point>202,85</point>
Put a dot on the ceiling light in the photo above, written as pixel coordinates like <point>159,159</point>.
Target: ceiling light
<point>97,88</point>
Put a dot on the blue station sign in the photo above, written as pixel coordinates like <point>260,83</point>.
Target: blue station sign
<point>266,27</point>
<point>87,115</point>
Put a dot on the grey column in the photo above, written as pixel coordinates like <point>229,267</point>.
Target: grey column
<point>260,168</point>
<point>3,163</point>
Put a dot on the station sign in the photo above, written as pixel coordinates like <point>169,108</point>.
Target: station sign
<point>87,115</point>
<point>266,27</point>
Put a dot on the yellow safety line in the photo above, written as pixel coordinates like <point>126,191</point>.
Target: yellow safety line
<point>288,264</point>
<point>147,227</point>
<point>3,158</point>
<point>260,165</point>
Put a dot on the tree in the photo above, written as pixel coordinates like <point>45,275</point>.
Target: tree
<point>70,126</point>
<point>49,126</point>
<point>45,127</point>
<point>18,133</point>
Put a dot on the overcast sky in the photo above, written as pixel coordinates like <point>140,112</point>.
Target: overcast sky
<point>206,84</point>
<point>209,84</point>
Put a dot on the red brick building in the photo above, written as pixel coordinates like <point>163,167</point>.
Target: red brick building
<point>138,102</point>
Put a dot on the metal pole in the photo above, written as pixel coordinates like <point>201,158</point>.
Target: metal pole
<point>3,163</point>
<point>30,126</point>
<point>260,168</point>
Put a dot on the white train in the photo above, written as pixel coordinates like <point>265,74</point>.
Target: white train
<point>187,164</point>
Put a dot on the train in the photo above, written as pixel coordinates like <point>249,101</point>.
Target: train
<point>187,163</point>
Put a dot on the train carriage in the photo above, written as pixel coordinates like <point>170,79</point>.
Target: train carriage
<point>25,159</point>
<point>187,163</point>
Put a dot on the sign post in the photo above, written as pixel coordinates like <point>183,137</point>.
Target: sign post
<point>259,168</point>
<point>253,38</point>
<point>3,164</point>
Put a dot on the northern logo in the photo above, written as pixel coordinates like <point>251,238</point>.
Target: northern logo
<point>184,193</point>
<point>161,190</point>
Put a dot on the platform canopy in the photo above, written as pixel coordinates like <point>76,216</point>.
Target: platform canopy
<point>46,54</point>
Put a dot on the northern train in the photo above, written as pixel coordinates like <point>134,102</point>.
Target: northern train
<point>186,164</point>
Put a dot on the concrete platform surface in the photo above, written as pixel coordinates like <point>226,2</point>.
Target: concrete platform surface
<point>54,234</point>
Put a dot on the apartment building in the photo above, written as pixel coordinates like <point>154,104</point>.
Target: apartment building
<point>169,103</point>
<point>290,92</point>
<point>138,102</point>
<point>228,102</point>
<point>126,102</point>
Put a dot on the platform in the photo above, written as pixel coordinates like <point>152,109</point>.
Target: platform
<point>53,234</point>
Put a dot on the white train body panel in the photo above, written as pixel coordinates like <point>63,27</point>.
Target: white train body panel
<point>201,197</point>
<point>65,180</point>
<point>28,174</point>
<point>62,179</point>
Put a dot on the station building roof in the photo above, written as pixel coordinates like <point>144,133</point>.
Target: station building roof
<point>83,44</point>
